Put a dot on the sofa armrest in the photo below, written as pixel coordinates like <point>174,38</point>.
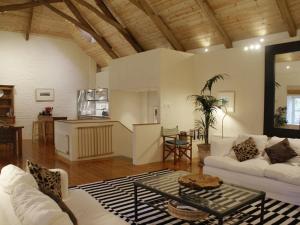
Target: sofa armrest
<point>221,147</point>
<point>64,182</point>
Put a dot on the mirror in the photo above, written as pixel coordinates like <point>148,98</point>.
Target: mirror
<point>282,90</point>
<point>287,91</point>
<point>1,93</point>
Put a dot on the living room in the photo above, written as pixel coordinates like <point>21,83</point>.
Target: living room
<point>89,100</point>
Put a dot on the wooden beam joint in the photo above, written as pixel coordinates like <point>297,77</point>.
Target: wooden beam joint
<point>158,21</point>
<point>287,17</point>
<point>206,8</point>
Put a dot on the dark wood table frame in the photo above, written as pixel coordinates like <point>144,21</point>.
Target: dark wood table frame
<point>17,138</point>
<point>220,217</point>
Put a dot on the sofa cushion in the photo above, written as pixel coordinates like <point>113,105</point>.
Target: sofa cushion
<point>32,207</point>
<point>82,204</point>
<point>46,179</point>
<point>280,152</point>
<point>253,167</point>
<point>12,175</point>
<point>284,172</point>
<point>62,206</point>
<point>246,150</point>
<point>221,147</point>
<point>295,144</point>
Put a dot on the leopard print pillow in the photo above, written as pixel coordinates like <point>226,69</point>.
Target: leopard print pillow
<point>246,150</point>
<point>47,180</point>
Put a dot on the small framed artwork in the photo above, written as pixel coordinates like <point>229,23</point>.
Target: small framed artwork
<point>44,95</point>
<point>228,97</point>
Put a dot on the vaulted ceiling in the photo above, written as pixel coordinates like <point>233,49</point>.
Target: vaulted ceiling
<point>124,27</point>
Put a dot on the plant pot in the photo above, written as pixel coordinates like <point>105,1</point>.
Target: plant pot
<point>203,150</point>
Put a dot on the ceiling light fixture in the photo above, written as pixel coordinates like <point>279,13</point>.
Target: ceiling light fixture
<point>262,40</point>
<point>257,46</point>
<point>206,50</point>
<point>288,67</point>
<point>246,48</point>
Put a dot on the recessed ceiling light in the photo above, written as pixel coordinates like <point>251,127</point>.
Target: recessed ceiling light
<point>246,48</point>
<point>251,46</point>
<point>262,40</point>
<point>288,67</point>
<point>257,46</point>
<point>206,49</point>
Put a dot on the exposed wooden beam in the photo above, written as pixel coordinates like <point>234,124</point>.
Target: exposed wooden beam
<point>287,17</point>
<point>108,10</point>
<point>212,18</point>
<point>125,33</point>
<point>13,7</point>
<point>28,30</point>
<point>113,12</point>
<point>104,9</point>
<point>158,21</point>
<point>100,41</point>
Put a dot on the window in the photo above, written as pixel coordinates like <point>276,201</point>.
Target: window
<point>293,109</point>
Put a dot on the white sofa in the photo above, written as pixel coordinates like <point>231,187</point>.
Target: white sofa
<point>280,181</point>
<point>85,208</point>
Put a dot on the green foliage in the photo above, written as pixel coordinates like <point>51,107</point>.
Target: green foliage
<point>207,105</point>
<point>209,83</point>
<point>280,117</point>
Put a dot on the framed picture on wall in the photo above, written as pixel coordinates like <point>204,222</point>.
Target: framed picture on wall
<point>44,95</point>
<point>228,96</point>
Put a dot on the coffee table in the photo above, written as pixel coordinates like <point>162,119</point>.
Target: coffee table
<point>225,201</point>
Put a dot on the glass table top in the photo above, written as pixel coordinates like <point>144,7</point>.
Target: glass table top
<point>219,200</point>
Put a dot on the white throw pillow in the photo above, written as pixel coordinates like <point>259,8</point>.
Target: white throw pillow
<point>295,144</point>
<point>12,175</point>
<point>274,140</point>
<point>221,147</point>
<point>32,207</point>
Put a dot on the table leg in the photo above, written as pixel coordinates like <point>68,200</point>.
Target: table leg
<point>135,203</point>
<point>220,221</point>
<point>19,134</point>
<point>262,210</point>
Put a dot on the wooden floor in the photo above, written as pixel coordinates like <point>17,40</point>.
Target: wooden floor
<point>89,171</point>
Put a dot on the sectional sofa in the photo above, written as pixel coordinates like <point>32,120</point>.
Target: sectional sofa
<point>280,181</point>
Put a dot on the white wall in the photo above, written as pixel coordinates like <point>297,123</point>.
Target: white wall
<point>246,70</point>
<point>125,106</point>
<point>176,83</point>
<point>138,72</point>
<point>102,79</point>
<point>42,62</point>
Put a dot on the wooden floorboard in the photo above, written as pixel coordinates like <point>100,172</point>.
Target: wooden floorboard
<point>89,171</point>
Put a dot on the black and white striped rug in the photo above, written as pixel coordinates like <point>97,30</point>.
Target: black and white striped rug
<point>117,197</point>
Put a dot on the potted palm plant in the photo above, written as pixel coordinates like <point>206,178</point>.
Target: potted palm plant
<point>207,105</point>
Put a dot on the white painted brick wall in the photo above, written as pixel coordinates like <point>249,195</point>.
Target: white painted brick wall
<point>42,62</point>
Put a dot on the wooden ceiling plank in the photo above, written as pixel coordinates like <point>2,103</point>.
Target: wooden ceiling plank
<point>100,41</point>
<point>28,30</point>
<point>287,17</point>
<point>112,21</point>
<point>205,7</point>
<point>113,13</point>
<point>158,21</point>
<point>124,31</point>
<point>13,7</point>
